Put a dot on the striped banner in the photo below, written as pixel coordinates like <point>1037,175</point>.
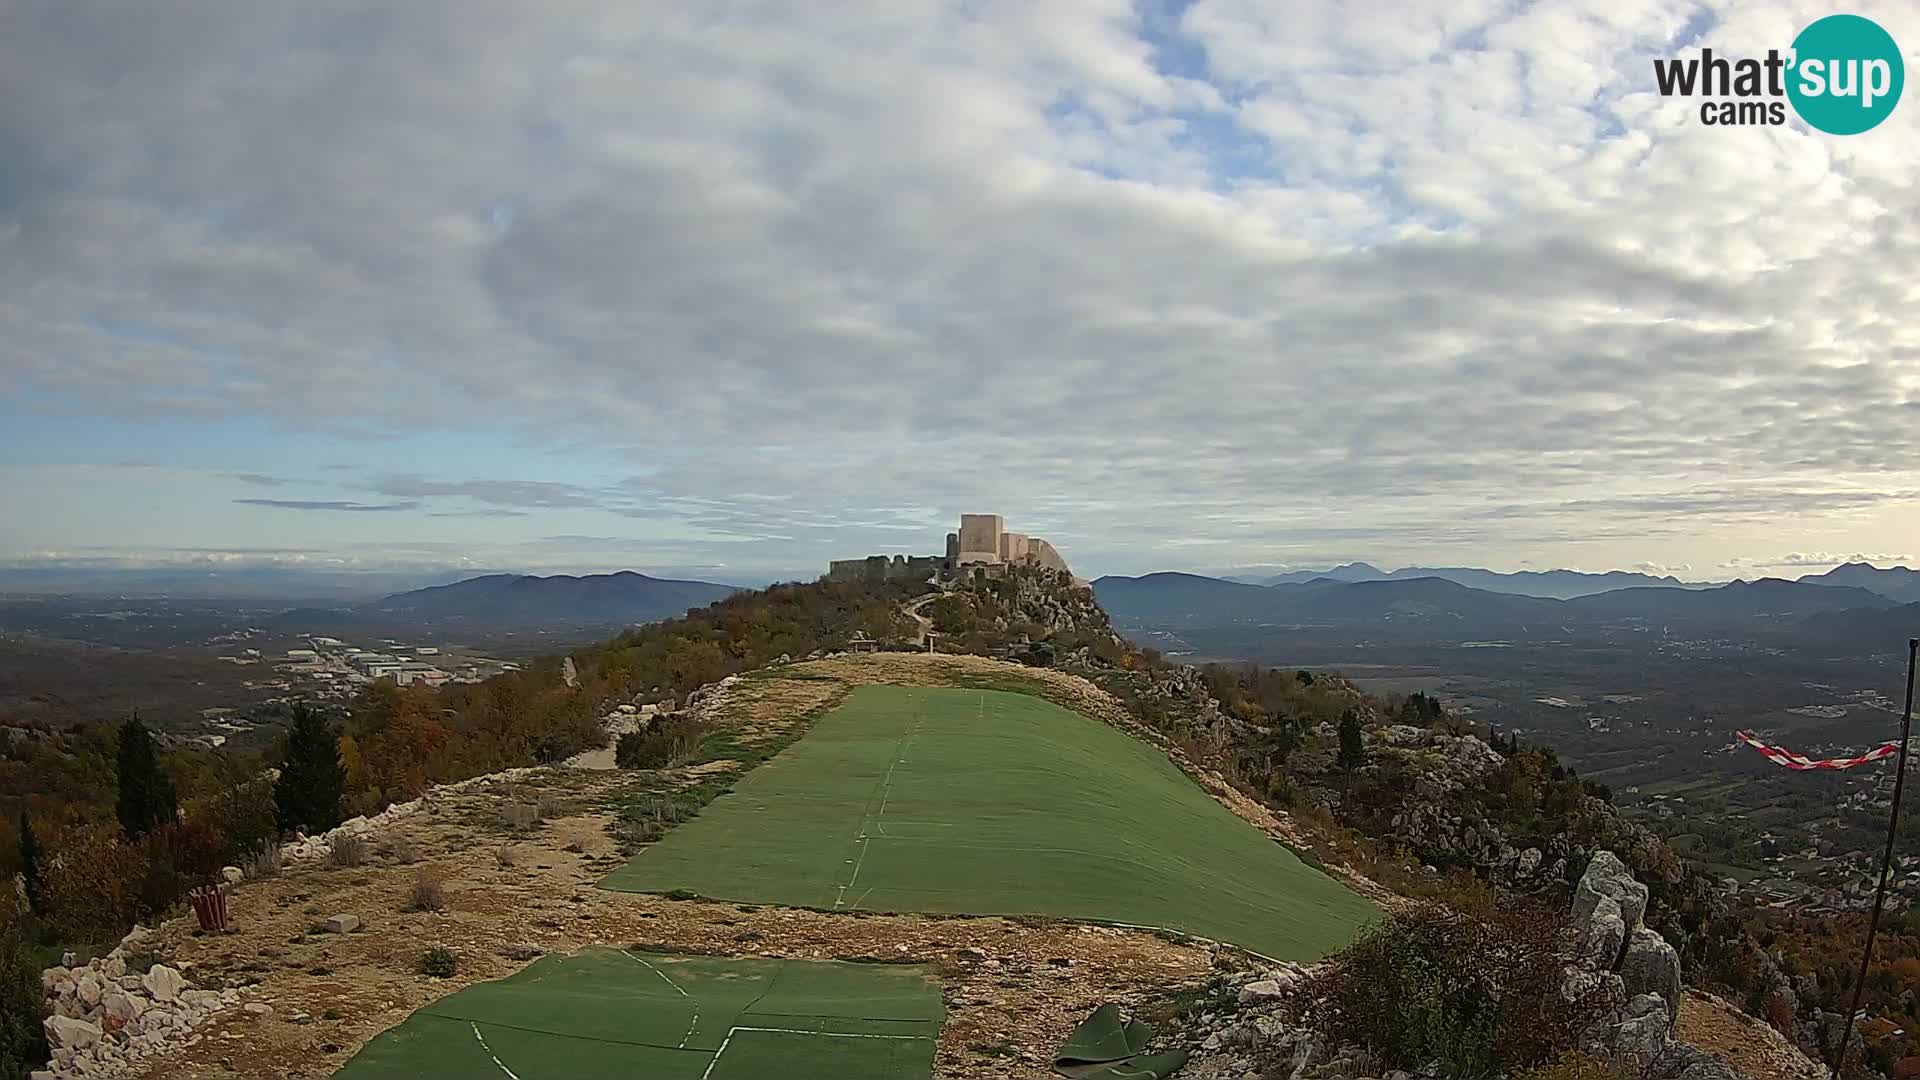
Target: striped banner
<point>1780,755</point>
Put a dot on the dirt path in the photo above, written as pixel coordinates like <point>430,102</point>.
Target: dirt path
<point>912,609</point>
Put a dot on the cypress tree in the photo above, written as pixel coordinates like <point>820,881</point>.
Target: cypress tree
<point>312,779</point>
<point>1353,751</point>
<point>147,799</point>
<point>30,861</point>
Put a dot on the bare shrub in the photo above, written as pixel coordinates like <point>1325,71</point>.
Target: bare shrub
<point>1482,995</point>
<point>1578,1066</point>
<point>429,890</point>
<point>551,807</point>
<point>508,858</point>
<point>263,864</point>
<point>520,815</point>
<point>403,851</point>
<point>669,741</point>
<point>347,851</point>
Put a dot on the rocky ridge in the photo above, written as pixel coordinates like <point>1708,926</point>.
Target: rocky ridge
<point>1252,1026</point>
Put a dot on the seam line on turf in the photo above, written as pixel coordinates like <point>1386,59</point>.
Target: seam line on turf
<point>724,1043</point>
<point>886,793</point>
<point>688,1037</point>
<point>490,1053</point>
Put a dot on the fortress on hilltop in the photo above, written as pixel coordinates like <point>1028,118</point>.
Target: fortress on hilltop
<point>982,542</point>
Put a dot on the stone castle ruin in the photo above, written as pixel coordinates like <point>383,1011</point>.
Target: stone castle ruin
<point>982,541</point>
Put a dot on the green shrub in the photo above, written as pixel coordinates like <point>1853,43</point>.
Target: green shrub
<point>246,819</point>
<point>1481,995</point>
<point>23,1043</point>
<point>439,962</point>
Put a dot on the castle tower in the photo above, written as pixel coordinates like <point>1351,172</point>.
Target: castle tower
<point>980,537</point>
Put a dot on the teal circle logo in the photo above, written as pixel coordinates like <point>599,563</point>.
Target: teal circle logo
<point>1846,74</point>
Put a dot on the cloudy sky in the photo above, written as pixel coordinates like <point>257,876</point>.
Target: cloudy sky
<point>729,288</point>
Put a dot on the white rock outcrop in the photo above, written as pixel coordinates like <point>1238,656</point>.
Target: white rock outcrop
<point>105,1018</point>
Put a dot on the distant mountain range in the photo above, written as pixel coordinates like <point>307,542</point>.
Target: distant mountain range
<point>1550,584</point>
<point>1896,583</point>
<point>1438,607</point>
<point>511,602</point>
<point>624,597</point>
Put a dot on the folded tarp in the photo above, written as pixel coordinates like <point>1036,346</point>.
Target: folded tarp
<point>1105,1047</point>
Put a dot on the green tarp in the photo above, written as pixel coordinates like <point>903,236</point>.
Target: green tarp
<point>932,799</point>
<point>605,1013</point>
<point>1105,1047</point>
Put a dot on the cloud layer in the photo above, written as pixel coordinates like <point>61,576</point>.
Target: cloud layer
<point>1217,283</point>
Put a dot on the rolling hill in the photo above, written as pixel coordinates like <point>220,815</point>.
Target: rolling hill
<point>1440,608</point>
<point>624,597</point>
<point>1768,598</point>
<point>1546,584</point>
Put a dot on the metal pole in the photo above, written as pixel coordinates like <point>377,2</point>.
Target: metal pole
<point>1886,866</point>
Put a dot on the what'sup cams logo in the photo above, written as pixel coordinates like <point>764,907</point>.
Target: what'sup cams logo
<point>1843,75</point>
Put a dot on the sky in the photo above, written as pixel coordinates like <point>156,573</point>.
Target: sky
<point>726,290</point>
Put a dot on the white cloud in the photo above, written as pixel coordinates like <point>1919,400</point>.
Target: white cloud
<point>1444,277</point>
<point>1796,559</point>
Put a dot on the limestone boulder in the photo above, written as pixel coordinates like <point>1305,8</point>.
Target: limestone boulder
<point>163,982</point>
<point>1604,936</point>
<point>1607,876</point>
<point>69,1033</point>
<point>88,987</point>
<point>1644,1029</point>
<point>1651,966</point>
<point>1262,992</point>
<point>123,1007</point>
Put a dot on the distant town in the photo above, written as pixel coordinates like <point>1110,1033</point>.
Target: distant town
<point>330,669</point>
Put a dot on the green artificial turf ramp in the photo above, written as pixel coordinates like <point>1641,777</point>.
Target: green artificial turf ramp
<point>991,803</point>
<point>643,1016</point>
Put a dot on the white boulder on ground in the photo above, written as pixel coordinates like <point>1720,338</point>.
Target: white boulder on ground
<point>106,1018</point>
<point>69,1033</point>
<point>163,982</point>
